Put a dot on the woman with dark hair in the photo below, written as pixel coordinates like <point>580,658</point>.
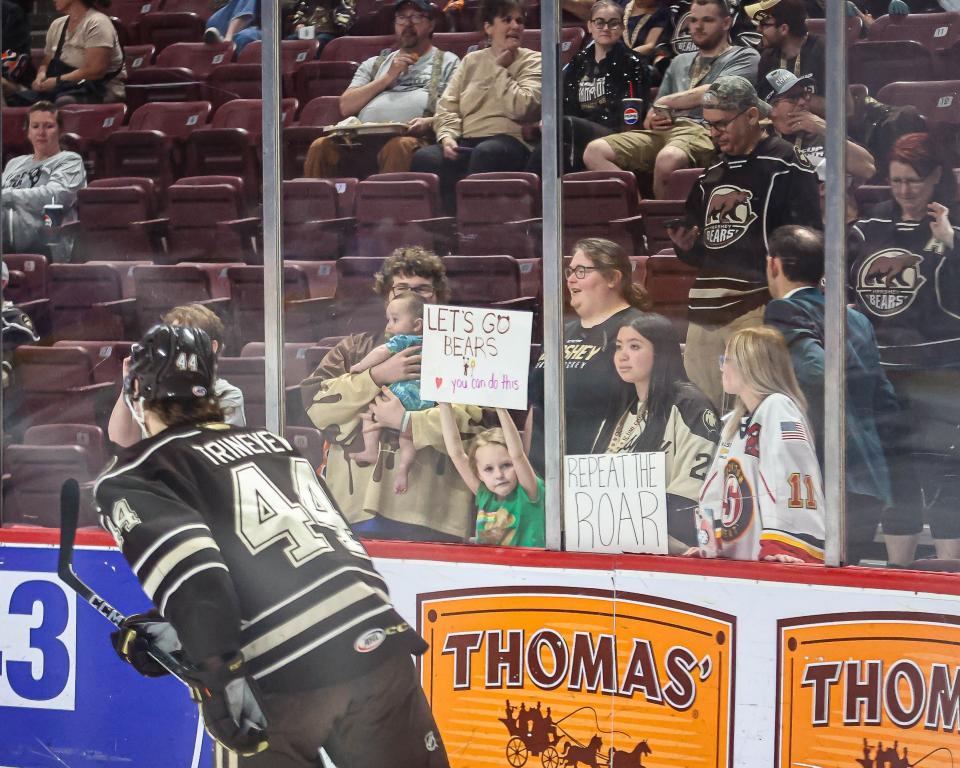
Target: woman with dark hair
<point>602,293</point>
<point>664,412</point>
<point>906,279</point>
<point>82,60</point>
<point>479,117</point>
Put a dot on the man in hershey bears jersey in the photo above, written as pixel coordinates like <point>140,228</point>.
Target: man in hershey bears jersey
<point>763,496</point>
<point>759,184</point>
<point>257,581</point>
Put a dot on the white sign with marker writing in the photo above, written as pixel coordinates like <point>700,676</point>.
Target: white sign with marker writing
<point>616,502</point>
<point>475,356</point>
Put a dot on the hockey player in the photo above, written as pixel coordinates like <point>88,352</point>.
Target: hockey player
<point>763,496</point>
<point>257,581</point>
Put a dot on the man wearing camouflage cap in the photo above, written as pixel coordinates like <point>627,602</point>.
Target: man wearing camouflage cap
<point>759,184</point>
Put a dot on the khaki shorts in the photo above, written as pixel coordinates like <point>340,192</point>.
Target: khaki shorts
<point>637,150</point>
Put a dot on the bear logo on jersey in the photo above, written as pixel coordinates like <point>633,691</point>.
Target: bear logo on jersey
<point>682,42</point>
<point>888,281</point>
<point>736,513</point>
<point>729,214</point>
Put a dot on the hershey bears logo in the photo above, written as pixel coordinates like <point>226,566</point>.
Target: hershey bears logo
<point>888,281</point>
<point>682,42</point>
<point>736,513</point>
<point>729,214</point>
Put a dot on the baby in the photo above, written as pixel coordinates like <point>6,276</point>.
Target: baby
<point>404,329</point>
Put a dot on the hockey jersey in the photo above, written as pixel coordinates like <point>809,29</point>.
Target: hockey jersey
<point>906,281</point>
<point>763,494</point>
<point>240,546</point>
<point>737,203</point>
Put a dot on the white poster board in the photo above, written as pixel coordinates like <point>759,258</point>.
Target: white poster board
<point>615,502</point>
<point>474,356</point>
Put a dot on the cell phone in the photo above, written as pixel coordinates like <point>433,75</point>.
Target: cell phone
<point>681,221</point>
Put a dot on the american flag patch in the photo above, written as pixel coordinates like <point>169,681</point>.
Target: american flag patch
<point>793,430</point>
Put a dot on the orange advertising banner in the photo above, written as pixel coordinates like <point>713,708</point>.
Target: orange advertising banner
<point>869,690</point>
<point>548,676</point>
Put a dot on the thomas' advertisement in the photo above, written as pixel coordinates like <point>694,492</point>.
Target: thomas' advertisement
<point>577,677</point>
<point>877,690</point>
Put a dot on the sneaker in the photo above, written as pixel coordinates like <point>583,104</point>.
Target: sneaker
<point>212,35</point>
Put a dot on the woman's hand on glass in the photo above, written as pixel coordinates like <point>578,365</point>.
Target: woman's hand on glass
<point>940,225</point>
<point>403,366</point>
<point>449,148</point>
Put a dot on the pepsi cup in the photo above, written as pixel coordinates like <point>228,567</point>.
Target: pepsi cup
<point>632,114</point>
<point>53,215</point>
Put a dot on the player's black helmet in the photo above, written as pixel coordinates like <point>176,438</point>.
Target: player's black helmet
<point>172,362</point>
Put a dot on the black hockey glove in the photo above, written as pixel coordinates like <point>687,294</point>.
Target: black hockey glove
<point>139,633</point>
<point>230,704</point>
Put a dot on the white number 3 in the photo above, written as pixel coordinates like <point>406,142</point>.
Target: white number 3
<point>264,514</point>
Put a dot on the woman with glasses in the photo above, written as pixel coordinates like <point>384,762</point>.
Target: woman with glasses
<point>604,297</point>
<point>479,118</point>
<point>595,83</point>
<point>661,411</point>
<point>436,505</point>
<point>905,278</point>
<point>763,496</point>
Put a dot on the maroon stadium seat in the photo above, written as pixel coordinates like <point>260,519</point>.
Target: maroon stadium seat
<point>357,47</point>
<point>875,63</point>
<point>485,280</point>
<point>937,101</point>
<point>936,31</point>
<point>309,442</point>
<point>199,7</point>
<point>14,132</point>
<point>460,43</point>
<point>163,29</point>
<point>318,113</point>
<point>88,301</point>
<point>249,375</point>
<point>668,283</point>
<point>105,231</point>
<point>200,58</point>
<point>395,208</point>
<point>160,288</point>
<point>854,28</point>
<point>138,56</point>
<point>486,202</point>
<point>656,212</point>
<point>36,472</point>
<point>108,360</point>
<point>570,43</point>
<point>602,204</point>
<point>313,226</point>
<point>233,81</point>
<point>322,78</point>
<point>32,281</point>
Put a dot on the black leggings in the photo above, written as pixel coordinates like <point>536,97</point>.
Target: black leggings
<point>485,155</point>
<point>577,133</point>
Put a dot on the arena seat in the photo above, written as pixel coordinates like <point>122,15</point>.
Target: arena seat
<point>126,17</point>
<point>460,43</point>
<point>317,114</point>
<point>150,85</point>
<point>104,230</point>
<point>151,145</point>
<point>14,128</point>
<point>87,436</point>
<point>668,283</point>
<point>199,7</point>
<point>935,31</point>
<point>295,362</point>
<point>200,58</point>
<point>313,227</point>
<point>485,280</point>
<point>875,63</point>
<point>357,308</point>
<point>160,288</point>
<point>138,56</point>
<point>31,282</point>
<point>938,102</point>
<point>854,28</point>
<point>603,205</point>
<point>571,41</point>
<point>36,472</point>
<point>322,78</point>
<point>491,209</point>
<point>656,212</point>
<point>401,208</point>
<point>249,375</point>
<point>357,47</point>
<point>88,301</point>
<point>163,29</point>
<point>309,442</point>
<point>108,359</point>
<point>233,81</point>
<point>293,54</point>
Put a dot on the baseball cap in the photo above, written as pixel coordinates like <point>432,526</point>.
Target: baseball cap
<point>760,11</point>
<point>421,5</point>
<point>782,81</point>
<point>732,93</point>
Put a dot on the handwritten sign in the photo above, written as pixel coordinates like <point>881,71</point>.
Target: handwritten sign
<point>616,502</point>
<point>476,356</point>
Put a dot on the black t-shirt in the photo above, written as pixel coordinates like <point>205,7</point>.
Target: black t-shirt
<point>594,90</point>
<point>638,27</point>
<point>590,383</point>
<point>813,61</point>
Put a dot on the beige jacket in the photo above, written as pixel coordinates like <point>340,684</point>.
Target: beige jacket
<point>484,99</point>
<point>436,497</point>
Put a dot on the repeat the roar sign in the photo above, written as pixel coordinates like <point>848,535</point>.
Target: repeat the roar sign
<point>616,503</point>
<point>476,356</point>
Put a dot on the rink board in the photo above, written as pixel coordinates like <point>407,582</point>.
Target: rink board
<point>706,663</point>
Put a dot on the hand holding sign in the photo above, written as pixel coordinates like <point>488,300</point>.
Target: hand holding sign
<point>474,356</point>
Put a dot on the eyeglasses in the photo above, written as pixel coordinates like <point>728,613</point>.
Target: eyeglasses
<point>722,125</point>
<point>801,95</point>
<point>580,271</point>
<point>413,18</point>
<point>607,23</point>
<point>420,290</point>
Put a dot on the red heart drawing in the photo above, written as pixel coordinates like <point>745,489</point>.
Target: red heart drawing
<point>438,380</point>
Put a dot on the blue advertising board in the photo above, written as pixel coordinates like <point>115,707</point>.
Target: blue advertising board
<point>65,697</point>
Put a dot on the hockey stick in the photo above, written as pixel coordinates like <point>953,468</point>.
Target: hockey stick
<point>69,516</point>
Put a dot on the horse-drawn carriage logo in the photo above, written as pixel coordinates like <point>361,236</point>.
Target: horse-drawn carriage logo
<point>533,731</point>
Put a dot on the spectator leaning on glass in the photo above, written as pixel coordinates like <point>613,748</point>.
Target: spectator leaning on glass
<point>794,271</point>
<point>602,293</point>
<point>664,412</point>
<point>763,496</point>
<point>595,85</point>
<point>400,86</point>
<point>786,44</point>
<point>48,177</point>
<point>479,117</point>
<point>789,99</point>
<point>124,429</point>
<point>82,59</point>
<point>905,278</point>
<point>436,505</point>
<point>675,135</point>
<point>760,184</point>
